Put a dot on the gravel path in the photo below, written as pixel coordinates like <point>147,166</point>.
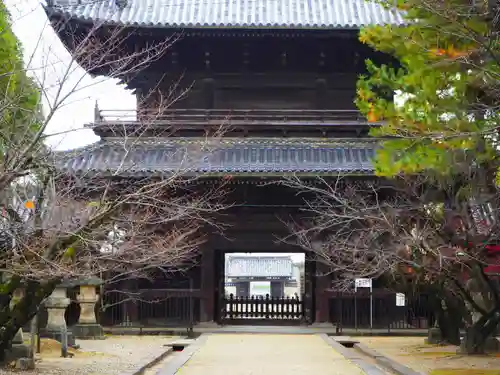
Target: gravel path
<point>263,354</point>
<point>112,356</point>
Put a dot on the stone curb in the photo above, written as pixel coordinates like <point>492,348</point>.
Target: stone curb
<point>181,358</point>
<point>299,330</point>
<point>340,348</point>
<point>352,356</point>
<point>183,341</point>
<point>384,361</point>
<point>149,364</point>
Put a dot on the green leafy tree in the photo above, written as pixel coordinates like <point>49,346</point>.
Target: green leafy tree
<point>439,111</point>
<point>448,83</point>
<point>20,108</point>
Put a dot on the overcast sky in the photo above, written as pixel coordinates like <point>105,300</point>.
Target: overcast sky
<point>47,57</point>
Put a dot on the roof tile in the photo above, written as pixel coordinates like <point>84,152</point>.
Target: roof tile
<point>231,156</point>
<point>299,14</point>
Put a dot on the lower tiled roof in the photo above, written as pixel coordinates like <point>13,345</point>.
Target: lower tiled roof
<point>226,156</point>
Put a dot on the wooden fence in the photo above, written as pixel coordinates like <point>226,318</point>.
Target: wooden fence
<point>359,311</point>
<point>265,308</point>
<point>151,307</point>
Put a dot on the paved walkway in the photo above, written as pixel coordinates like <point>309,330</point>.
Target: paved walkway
<point>262,354</point>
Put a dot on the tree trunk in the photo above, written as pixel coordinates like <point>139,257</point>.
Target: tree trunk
<point>23,311</point>
<point>476,337</point>
<point>449,324</point>
<point>449,317</point>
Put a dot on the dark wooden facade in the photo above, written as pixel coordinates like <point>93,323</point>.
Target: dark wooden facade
<point>263,72</point>
<point>276,88</point>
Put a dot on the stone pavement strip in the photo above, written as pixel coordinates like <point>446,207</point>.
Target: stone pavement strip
<point>267,354</point>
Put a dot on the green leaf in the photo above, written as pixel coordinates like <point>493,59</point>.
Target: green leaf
<point>70,252</point>
<point>432,130</point>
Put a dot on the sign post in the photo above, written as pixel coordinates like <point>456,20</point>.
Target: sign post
<point>364,283</point>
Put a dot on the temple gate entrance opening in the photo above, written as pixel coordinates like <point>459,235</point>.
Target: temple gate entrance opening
<point>263,287</point>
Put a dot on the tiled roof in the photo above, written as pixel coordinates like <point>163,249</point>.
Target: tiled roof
<point>229,156</point>
<point>259,267</point>
<point>298,14</point>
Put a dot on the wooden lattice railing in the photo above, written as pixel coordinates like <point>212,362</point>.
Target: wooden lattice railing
<point>231,116</point>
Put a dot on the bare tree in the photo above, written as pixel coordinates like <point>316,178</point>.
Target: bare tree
<point>414,232</point>
<point>60,224</point>
<point>129,227</point>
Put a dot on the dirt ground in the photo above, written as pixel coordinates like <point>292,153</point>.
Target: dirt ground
<point>432,359</point>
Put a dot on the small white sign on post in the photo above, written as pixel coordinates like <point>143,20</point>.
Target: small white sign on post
<point>400,299</point>
<point>362,283</point>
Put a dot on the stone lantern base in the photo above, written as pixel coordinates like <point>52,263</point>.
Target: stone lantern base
<point>19,349</point>
<point>16,352</point>
<point>84,331</point>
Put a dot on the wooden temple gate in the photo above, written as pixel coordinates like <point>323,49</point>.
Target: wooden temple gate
<point>287,95</point>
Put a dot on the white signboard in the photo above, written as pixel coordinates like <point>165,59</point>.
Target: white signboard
<point>400,299</point>
<point>363,283</point>
<point>260,288</point>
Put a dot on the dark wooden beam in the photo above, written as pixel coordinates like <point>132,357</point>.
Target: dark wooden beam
<point>321,93</point>
<point>208,89</point>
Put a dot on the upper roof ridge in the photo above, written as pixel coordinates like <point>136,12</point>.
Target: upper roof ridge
<point>263,14</point>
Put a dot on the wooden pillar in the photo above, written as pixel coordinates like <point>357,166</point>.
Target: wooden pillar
<point>322,303</point>
<point>208,285</point>
<point>309,287</point>
<point>130,306</point>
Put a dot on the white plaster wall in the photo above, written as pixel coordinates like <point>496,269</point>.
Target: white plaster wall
<point>291,290</point>
<point>230,290</point>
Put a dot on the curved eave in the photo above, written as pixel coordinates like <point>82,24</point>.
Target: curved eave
<point>229,157</point>
<point>90,174</point>
<point>230,14</point>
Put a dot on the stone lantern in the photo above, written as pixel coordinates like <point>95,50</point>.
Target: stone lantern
<point>87,326</point>
<point>56,305</point>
